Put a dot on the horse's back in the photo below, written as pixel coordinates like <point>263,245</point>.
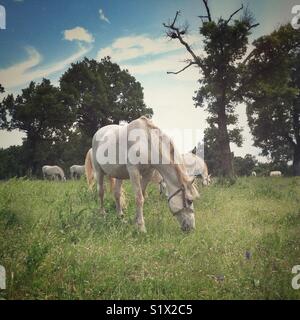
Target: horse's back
<point>194,164</point>
<point>275,173</point>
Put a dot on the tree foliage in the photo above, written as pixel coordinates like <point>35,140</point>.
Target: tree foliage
<point>272,79</point>
<point>244,166</point>
<point>100,93</point>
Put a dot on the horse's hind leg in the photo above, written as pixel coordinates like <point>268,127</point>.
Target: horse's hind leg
<point>118,197</point>
<point>100,188</point>
<point>135,179</point>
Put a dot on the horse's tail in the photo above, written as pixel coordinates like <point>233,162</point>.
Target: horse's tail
<point>89,171</point>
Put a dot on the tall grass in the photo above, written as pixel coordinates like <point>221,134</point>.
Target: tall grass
<point>55,245</point>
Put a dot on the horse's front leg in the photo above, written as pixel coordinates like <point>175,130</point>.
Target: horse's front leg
<point>135,179</point>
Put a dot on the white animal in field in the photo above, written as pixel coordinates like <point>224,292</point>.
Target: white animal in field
<point>253,174</point>
<point>195,167</point>
<point>275,174</point>
<point>77,171</point>
<point>179,185</point>
<point>53,172</point>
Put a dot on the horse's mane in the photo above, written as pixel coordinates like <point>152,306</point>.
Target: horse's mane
<point>180,169</point>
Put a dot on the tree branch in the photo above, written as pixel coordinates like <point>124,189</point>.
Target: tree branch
<point>175,33</point>
<point>250,55</point>
<point>234,13</point>
<point>187,66</point>
<point>174,21</point>
<point>207,9</point>
<point>253,26</point>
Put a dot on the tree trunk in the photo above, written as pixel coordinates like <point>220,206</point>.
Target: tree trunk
<point>296,161</point>
<point>224,144</point>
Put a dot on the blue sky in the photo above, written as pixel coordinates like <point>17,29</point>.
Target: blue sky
<point>43,37</point>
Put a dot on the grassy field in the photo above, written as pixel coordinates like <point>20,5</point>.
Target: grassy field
<point>54,244</point>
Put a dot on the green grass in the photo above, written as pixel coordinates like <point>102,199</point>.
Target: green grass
<point>55,245</point>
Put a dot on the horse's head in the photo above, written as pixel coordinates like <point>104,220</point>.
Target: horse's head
<point>182,207</point>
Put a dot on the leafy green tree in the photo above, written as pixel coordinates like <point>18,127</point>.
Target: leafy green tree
<point>225,43</point>
<point>11,162</point>
<point>272,79</point>
<point>100,93</point>
<point>244,166</point>
<point>40,112</point>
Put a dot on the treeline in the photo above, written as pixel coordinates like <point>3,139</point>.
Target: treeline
<point>59,122</point>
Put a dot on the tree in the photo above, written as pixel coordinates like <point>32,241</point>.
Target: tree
<point>225,43</point>
<point>244,166</point>
<point>100,93</point>
<point>272,78</point>
<point>39,112</point>
<point>11,162</point>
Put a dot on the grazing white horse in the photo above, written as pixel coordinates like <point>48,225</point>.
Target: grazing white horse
<point>253,174</point>
<point>54,172</point>
<point>196,167</point>
<point>275,174</point>
<point>76,171</point>
<point>178,184</point>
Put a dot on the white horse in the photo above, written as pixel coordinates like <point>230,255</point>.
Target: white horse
<point>275,174</point>
<point>179,185</point>
<point>76,171</point>
<point>90,175</point>
<point>196,167</point>
<point>54,172</point>
<point>253,174</point>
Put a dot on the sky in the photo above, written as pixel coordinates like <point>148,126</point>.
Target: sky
<point>42,38</point>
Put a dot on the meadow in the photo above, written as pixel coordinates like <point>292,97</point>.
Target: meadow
<point>55,245</point>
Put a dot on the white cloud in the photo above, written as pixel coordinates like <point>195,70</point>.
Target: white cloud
<point>102,16</point>
<point>171,62</point>
<point>79,34</point>
<point>24,72</point>
<point>131,47</point>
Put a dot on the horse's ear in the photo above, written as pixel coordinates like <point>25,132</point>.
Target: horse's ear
<point>194,151</point>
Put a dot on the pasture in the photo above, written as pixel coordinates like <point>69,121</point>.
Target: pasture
<point>55,245</point>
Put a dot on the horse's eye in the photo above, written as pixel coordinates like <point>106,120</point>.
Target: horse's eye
<point>189,202</point>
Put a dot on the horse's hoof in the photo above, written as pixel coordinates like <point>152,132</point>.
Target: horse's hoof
<point>123,220</point>
<point>142,229</point>
<point>103,212</point>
